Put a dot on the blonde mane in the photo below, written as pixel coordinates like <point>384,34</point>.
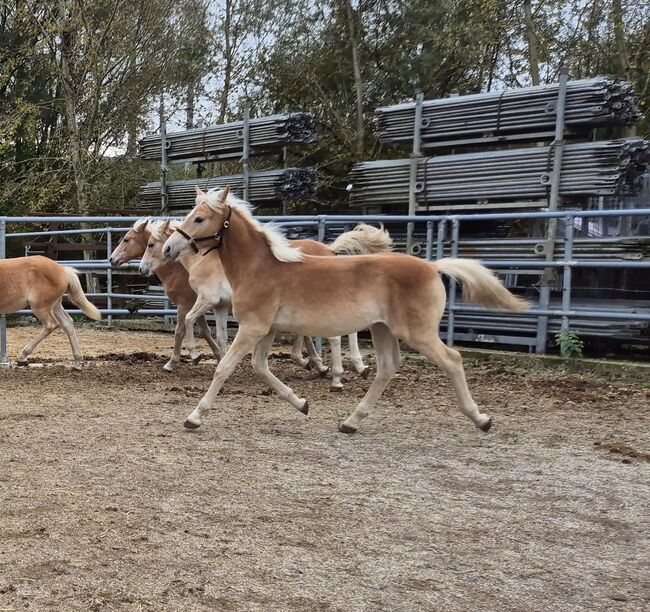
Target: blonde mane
<point>275,238</point>
<point>155,229</point>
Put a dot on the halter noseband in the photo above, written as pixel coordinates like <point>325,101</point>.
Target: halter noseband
<point>218,237</point>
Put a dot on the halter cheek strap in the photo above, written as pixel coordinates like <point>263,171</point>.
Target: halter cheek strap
<point>218,237</point>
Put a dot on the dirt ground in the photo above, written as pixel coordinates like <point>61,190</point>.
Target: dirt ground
<point>107,503</point>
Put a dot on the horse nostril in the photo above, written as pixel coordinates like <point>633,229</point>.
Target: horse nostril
<point>167,250</point>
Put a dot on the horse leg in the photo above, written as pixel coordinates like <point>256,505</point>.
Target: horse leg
<point>206,333</point>
<point>190,342</point>
<point>179,334</point>
<point>450,360</point>
<point>47,318</point>
<point>244,342</point>
<point>261,366</point>
<point>337,363</point>
<point>67,324</point>
<point>388,358</point>
<point>221,315</point>
<point>355,356</point>
<point>314,358</point>
<point>296,352</point>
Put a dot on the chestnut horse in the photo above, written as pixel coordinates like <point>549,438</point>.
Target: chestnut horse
<point>174,279</point>
<point>276,287</point>
<point>39,282</point>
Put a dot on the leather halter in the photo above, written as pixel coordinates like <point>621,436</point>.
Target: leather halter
<point>218,237</point>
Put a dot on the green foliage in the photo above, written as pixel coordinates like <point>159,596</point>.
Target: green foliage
<point>570,344</point>
<point>210,59</point>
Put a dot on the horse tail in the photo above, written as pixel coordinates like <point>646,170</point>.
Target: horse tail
<point>480,285</point>
<point>78,297</point>
<point>363,240</point>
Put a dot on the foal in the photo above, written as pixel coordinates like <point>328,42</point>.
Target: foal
<point>174,279</point>
<point>277,287</point>
<point>39,282</point>
<point>208,280</point>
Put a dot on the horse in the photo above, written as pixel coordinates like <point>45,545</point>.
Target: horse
<point>208,280</point>
<point>174,279</point>
<point>276,287</point>
<point>39,282</point>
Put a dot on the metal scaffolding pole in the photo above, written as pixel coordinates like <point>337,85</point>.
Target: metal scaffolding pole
<point>549,248</point>
<point>164,168</point>
<point>246,150</point>
<point>415,156</point>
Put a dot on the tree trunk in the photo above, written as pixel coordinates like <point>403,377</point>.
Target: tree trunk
<point>189,109</point>
<point>619,36</point>
<point>533,56</point>
<point>356,68</point>
<point>227,73</point>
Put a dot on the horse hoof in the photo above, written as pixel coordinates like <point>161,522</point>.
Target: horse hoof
<point>365,372</point>
<point>305,408</point>
<point>321,373</point>
<point>334,389</point>
<point>168,368</point>
<point>196,360</point>
<point>190,424</point>
<point>486,426</point>
<point>346,429</point>
<point>76,367</point>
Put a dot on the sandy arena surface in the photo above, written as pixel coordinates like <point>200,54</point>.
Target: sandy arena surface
<point>106,503</point>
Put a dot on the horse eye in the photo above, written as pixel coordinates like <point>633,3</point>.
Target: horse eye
<point>151,245</point>
<point>125,240</point>
<point>198,220</point>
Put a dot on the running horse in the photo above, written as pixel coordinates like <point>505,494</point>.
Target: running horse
<point>276,287</point>
<point>174,279</point>
<point>39,282</point>
<point>208,280</point>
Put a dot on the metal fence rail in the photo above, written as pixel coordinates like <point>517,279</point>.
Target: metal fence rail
<point>438,239</point>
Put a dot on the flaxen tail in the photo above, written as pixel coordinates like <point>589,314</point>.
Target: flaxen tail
<point>363,240</point>
<point>480,285</point>
<point>78,297</point>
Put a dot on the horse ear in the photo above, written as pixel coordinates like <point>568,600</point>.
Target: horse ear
<point>164,226</point>
<point>223,194</point>
<point>140,225</point>
<point>199,191</point>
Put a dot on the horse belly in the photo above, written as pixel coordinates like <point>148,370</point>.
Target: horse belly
<point>12,303</point>
<point>326,323</point>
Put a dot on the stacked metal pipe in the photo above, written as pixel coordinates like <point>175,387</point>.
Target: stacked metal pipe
<point>631,248</point>
<point>499,323</point>
<point>264,188</point>
<point>588,169</point>
<point>266,134</point>
<point>590,103</point>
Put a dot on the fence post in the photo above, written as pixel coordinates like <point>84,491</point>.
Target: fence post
<point>109,276</point>
<point>566,278</point>
<point>429,249</point>
<point>415,157</point>
<point>3,318</point>
<point>549,247</point>
<point>455,233</point>
<point>320,238</point>
<point>440,242</point>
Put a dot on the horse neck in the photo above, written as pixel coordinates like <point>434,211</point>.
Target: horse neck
<point>245,253</point>
<point>168,271</point>
<point>190,259</point>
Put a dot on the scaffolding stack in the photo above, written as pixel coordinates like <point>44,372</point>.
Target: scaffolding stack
<point>239,140</point>
<point>518,149</point>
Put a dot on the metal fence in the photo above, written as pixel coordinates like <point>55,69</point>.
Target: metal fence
<point>442,234</point>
